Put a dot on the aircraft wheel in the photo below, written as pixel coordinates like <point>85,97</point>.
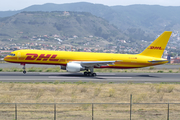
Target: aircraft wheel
<point>85,73</point>
<point>94,74</point>
<point>24,72</point>
<point>88,74</point>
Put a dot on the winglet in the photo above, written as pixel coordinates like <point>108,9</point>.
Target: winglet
<point>157,48</point>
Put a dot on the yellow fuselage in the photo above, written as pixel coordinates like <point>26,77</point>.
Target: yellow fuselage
<point>123,61</point>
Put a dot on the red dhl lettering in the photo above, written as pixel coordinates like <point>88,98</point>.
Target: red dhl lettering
<point>43,57</point>
<point>53,58</point>
<point>31,56</point>
<point>155,48</point>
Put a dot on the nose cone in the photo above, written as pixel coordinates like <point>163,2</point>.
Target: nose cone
<point>5,59</point>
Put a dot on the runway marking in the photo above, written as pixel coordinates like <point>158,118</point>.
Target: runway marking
<point>51,73</point>
<point>25,79</point>
<point>73,73</point>
<point>55,77</point>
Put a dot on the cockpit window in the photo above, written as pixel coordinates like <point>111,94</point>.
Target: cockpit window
<point>12,54</point>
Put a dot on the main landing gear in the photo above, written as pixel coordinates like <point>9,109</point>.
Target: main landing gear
<point>24,68</point>
<point>90,73</point>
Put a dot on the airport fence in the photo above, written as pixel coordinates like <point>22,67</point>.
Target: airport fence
<point>89,111</point>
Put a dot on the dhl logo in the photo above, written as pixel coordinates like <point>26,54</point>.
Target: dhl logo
<point>156,48</point>
<point>43,57</point>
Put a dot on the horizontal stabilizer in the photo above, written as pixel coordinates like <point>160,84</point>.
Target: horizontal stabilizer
<point>157,61</point>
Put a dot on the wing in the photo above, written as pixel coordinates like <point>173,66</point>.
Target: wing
<point>95,63</point>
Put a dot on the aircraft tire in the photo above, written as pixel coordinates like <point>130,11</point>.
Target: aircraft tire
<point>94,74</point>
<point>88,74</point>
<point>24,72</point>
<point>85,73</point>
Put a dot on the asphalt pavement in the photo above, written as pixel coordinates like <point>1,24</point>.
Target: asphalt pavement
<point>101,77</point>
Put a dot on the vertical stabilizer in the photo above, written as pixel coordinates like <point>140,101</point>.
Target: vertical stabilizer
<point>157,48</point>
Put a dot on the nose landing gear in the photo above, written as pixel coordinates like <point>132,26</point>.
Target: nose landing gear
<point>24,68</point>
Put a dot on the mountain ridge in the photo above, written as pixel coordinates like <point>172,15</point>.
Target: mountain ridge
<point>67,24</point>
<point>150,18</point>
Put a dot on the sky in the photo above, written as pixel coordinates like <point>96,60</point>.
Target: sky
<point>20,4</point>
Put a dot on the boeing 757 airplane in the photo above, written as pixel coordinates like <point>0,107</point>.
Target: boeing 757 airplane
<point>87,61</point>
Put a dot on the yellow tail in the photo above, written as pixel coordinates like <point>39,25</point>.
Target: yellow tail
<point>157,48</point>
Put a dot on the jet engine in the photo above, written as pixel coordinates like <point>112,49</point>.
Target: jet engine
<point>74,67</point>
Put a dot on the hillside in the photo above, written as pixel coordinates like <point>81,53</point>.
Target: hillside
<point>152,19</point>
<point>65,24</point>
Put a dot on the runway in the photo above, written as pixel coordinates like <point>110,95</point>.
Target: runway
<point>101,77</point>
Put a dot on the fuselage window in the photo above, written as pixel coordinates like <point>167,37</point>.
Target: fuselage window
<point>12,54</point>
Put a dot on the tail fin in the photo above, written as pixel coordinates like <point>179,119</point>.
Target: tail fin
<point>157,48</point>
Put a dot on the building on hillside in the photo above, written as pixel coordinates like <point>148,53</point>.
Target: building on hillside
<point>175,60</point>
<point>4,53</point>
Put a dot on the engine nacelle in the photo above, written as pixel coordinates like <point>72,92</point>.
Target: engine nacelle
<point>74,67</point>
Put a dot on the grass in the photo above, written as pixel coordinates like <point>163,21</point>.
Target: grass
<point>111,92</point>
<point>97,91</point>
<point>85,92</point>
<point>89,92</point>
<point>1,61</point>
